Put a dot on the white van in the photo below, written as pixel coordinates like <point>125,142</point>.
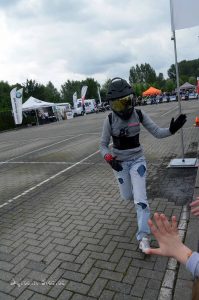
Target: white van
<point>78,109</point>
<point>90,107</point>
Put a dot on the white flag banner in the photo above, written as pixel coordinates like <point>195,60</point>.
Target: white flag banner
<point>98,91</point>
<point>74,98</point>
<point>184,13</point>
<point>83,93</point>
<point>16,100</point>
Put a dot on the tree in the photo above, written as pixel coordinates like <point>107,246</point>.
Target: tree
<point>139,88</point>
<point>169,85</point>
<point>172,72</point>
<point>68,89</point>
<point>104,89</point>
<point>186,68</point>
<point>5,102</point>
<point>92,88</point>
<point>142,74</point>
<point>192,80</point>
<point>51,93</point>
<point>34,89</point>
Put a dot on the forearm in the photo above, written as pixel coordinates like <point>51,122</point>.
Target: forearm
<point>154,129</point>
<point>104,149</point>
<point>105,139</point>
<point>183,254</point>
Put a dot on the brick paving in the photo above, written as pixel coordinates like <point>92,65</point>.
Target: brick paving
<point>75,239</point>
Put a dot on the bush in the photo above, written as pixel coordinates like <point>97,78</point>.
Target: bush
<point>7,121</point>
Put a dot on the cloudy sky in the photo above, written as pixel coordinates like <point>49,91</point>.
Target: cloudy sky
<point>60,40</point>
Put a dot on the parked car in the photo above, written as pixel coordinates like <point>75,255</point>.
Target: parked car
<point>193,96</point>
<point>173,98</point>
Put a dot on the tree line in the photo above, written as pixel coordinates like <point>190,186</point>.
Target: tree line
<point>140,76</point>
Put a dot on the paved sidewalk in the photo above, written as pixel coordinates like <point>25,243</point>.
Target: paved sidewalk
<point>83,238</point>
<point>73,238</point>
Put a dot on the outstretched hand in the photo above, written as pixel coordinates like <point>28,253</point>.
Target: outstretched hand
<point>195,207</point>
<point>166,233</point>
<point>175,125</point>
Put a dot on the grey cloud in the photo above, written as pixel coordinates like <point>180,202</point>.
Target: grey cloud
<point>95,62</point>
<point>86,37</point>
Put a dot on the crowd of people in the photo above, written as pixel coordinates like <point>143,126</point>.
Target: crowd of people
<point>166,97</point>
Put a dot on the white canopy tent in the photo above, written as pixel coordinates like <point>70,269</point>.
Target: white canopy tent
<point>33,103</point>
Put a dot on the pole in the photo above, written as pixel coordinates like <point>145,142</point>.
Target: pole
<point>177,76</point>
<point>36,117</point>
<point>178,90</point>
<point>182,162</point>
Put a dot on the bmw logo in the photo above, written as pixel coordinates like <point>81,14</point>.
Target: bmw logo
<point>18,94</point>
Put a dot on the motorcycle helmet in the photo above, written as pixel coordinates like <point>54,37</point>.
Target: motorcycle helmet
<point>120,96</point>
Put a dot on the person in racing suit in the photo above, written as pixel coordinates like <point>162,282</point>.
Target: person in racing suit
<point>126,156</point>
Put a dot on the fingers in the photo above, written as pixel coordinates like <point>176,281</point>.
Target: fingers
<point>182,117</point>
<point>153,251</point>
<point>165,222</point>
<point>195,203</point>
<point>174,224</point>
<point>195,211</point>
<point>195,207</point>
<point>153,228</point>
<point>160,223</point>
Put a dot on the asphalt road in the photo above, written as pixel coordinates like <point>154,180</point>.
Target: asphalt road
<point>33,157</point>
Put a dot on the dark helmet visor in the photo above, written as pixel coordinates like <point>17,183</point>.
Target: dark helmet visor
<point>121,104</point>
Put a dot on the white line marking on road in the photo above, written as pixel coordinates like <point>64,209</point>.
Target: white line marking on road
<point>167,112</point>
<point>42,162</point>
<point>48,179</point>
<point>48,146</point>
<point>45,147</point>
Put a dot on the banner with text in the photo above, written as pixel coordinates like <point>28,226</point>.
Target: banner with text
<point>16,101</point>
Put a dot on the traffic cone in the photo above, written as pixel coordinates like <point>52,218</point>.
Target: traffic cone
<point>197,122</point>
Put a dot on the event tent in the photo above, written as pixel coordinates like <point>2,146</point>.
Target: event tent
<point>151,91</point>
<point>187,86</point>
<point>33,104</point>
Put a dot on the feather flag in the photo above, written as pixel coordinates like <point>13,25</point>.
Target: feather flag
<point>74,99</point>
<point>83,93</point>
<point>16,100</point>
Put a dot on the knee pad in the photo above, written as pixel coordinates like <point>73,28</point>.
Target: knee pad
<point>142,205</point>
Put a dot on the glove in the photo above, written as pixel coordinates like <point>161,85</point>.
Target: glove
<point>178,123</point>
<point>115,164</point>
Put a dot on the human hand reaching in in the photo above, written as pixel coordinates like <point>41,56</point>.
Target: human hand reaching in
<point>195,207</point>
<point>166,233</point>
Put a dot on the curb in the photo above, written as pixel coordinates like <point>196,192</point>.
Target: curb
<point>167,287</point>
<point>186,223</point>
